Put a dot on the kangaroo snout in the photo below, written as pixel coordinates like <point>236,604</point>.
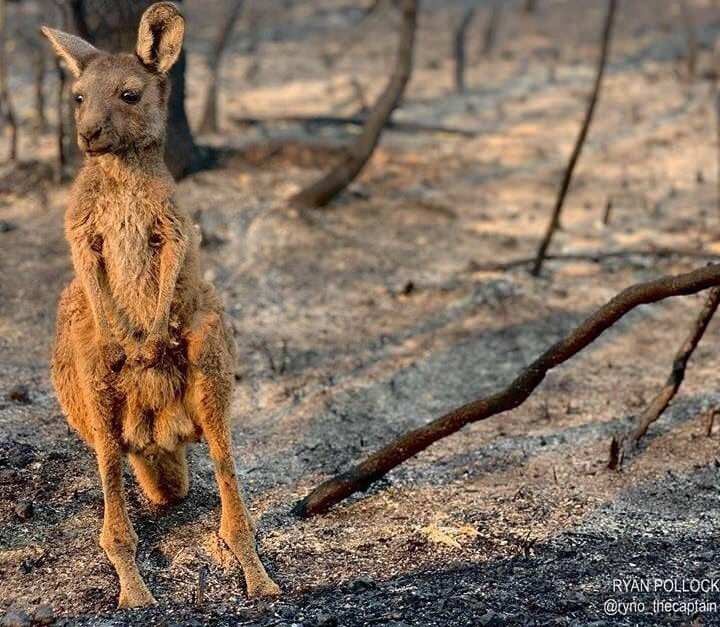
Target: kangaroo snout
<point>93,138</point>
<point>88,137</point>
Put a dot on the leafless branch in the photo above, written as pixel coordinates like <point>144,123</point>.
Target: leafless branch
<point>323,191</point>
<point>567,177</point>
<point>621,445</point>
<point>377,465</point>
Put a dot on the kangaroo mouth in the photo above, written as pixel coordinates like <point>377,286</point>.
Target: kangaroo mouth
<point>95,152</point>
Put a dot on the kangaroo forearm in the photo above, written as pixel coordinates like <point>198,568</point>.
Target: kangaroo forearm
<point>171,259</point>
<point>107,320</point>
<point>97,304</point>
<point>119,326</point>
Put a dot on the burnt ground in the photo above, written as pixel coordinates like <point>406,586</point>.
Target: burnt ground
<point>360,321</point>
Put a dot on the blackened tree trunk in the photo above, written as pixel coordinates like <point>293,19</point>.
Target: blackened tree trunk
<point>209,122</point>
<point>39,69</point>
<point>459,40</point>
<point>112,25</point>
<point>5,100</point>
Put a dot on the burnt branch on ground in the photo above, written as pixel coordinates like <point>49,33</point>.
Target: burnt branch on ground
<point>323,191</point>
<point>577,149</point>
<point>377,465</point>
<point>354,120</point>
<point>621,445</point>
<point>657,253</point>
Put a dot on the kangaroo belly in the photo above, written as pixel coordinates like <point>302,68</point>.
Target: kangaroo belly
<point>155,415</point>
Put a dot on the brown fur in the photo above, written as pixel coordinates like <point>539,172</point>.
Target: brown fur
<point>143,358</point>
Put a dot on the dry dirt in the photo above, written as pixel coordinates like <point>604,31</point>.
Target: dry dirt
<point>358,322</point>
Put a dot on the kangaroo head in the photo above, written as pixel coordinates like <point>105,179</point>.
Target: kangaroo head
<point>121,99</point>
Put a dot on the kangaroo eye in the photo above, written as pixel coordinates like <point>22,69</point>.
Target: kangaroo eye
<point>78,98</point>
<point>131,97</point>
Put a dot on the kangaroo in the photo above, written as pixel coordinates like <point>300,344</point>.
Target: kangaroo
<point>143,358</point>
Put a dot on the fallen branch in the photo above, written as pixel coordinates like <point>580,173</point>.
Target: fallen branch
<point>377,465</point>
<point>577,149</point>
<point>329,186</point>
<point>621,445</point>
<point>354,120</point>
<point>658,253</point>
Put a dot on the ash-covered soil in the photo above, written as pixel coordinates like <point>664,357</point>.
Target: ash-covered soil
<point>358,322</point>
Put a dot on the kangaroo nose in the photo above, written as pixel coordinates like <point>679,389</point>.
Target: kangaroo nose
<point>91,135</point>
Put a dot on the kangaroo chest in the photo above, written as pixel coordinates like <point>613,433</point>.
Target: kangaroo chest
<point>129,242</point>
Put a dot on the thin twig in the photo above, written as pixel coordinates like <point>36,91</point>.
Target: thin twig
<point>608,211</point>
<point>577,149</point>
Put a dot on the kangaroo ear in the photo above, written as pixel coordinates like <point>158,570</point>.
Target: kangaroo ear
<point>160,36</point>
<point>76,52</point>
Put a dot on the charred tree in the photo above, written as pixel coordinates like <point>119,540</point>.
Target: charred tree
<point>491,28</point>
<point>209,120</point>
<point>39,71</point>
<point>688,20</point>
<point>112,25</point>
<point>329,186</point>
<point>579,143</point>
<point>621,445</point>
<point>459,41</point>
<point>717,147</point>
<point>377,465</point>
<point>6,103</point>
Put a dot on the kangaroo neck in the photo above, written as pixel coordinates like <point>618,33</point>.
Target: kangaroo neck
<point>130,165</point>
